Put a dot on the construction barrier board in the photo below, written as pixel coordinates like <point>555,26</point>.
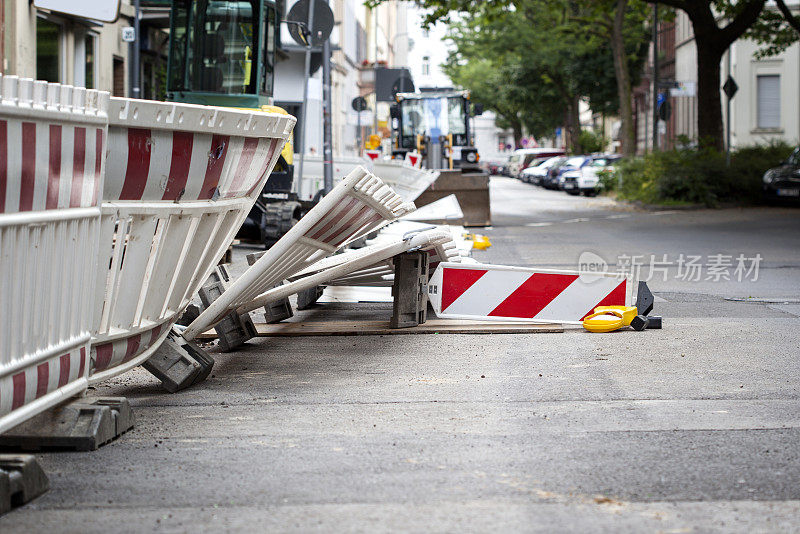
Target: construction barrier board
<point>357,206</point>
<point>504,293</point>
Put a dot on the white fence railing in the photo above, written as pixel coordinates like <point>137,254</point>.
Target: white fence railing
<point>180,181</point>
<point>358,205</point>
<point>374,265</point>
<point>52,139</point>
<point>312,181</point>
<point>408,181</point>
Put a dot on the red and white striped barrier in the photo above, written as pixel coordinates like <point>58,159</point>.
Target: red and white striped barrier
<point>409,182</point>
<point>52,139</point>
<point>358,205</point>
<point>374,266</point>
<point>414,159</point>
<point>180,181</point>
<point>502,293</point>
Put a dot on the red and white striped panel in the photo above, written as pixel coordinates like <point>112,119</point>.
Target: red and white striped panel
<point>34,382</point>
<point>119,351</point>
<point>497,292</point>
<point>46,165</point>
<point>160,164</point>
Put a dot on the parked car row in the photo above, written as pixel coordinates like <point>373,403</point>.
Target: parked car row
<point>574,175</point>
<point>520,160</point>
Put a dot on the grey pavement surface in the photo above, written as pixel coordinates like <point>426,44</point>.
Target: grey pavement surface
<point>693,428</point>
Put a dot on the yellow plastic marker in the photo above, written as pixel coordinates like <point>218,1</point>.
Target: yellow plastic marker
<point>480,242</point>
<point>609,318</point>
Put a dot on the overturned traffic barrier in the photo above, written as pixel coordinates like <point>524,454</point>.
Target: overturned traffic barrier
<point>52,139</point>
<point>357,206</point>
<point>180,180</point>
<point>408,181</point>
<point>374,265</point>
<point>504,293</point>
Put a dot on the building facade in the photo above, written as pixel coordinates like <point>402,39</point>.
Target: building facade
<point>41,44</point>
<point>765,108</point>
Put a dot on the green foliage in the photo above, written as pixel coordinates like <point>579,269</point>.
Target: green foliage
<point>592,141</point>
<point>696,175</point>
<point>532,64</point>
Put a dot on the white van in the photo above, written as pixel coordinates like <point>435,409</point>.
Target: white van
<point>522,158</point>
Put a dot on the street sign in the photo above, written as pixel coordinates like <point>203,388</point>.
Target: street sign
<point>360,117</point>
<point>730,87</point>
<point>683,89</point>
<point>128,34</point>
<point>102,10</point>
<point>664,109</point>
<point>323,22</point>
<point>403,84</point>
<point>359,103</point>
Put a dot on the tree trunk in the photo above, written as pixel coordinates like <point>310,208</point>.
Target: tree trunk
<point>574,127</point>
<point>624,91</point>
<point>517,128</point>
<point>709,104</point>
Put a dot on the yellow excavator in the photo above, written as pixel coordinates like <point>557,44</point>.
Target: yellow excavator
<point>223,53</point>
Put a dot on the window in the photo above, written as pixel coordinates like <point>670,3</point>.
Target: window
<point>91,59</point>
<point>270,38</point>
<point>85,59</point>
<point>119,77</point>
<point>213,46</point>
<point>48,50</point>
<point>769,101</point>
<point>426,66</point>
<point>456,116</point>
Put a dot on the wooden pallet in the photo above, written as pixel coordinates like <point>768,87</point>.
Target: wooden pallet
<point>371,328</point>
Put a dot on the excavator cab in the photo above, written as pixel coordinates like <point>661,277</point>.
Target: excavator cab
<point>437,125</point>
<point>222,53</point>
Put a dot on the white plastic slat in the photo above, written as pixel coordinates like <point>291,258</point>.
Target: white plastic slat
<point>358,205</point>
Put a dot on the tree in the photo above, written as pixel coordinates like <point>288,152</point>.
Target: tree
<point>589,36</point>
<point>625,32</point>
<point>533,65</point>
<point>716,25</point>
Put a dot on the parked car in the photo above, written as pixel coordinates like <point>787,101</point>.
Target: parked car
<point>588,179</point>
<point>535,174</point>
<point>555,178</point>
<point>783,182</point>
<point>524,158</point>
<point>494,167</point>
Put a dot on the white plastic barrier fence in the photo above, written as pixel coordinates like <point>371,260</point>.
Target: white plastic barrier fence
<point>307,186</point>
<point>437,242</point>
<point>502,293</point>
<point>343,265</point>
<point>52,139</point>
<point>407,181</point>
<point>180,181</point>
<point>358,205</point>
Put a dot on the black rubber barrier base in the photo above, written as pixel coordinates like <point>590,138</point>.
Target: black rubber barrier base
<point>21,480</point>
<point>82,425</point>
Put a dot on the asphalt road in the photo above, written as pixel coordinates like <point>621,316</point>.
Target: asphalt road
<point>693,428</point>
